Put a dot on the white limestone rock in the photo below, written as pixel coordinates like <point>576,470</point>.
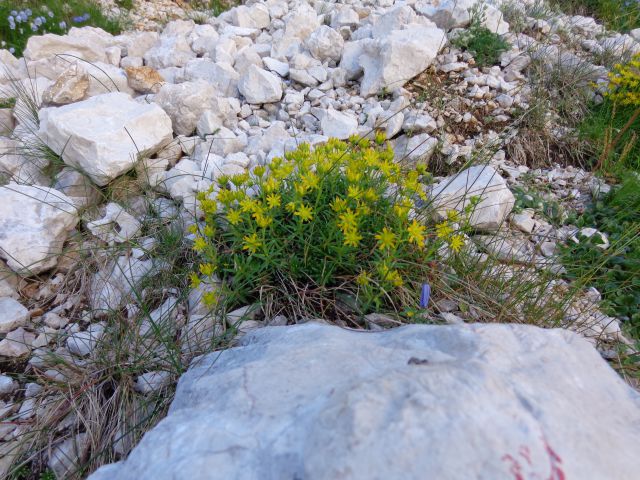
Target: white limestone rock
<point>34,223</point>
<point>325,43</point>
<point>414,147</point>
<point>105,135</point>
<point>88,43</point>
<point>66,457</point>
<point>83,343</point>
<point>117,225</point>
<point>185,103</point>
<point>114,284</point>
<point>71,86</point>
<point>447,400</point>
<point>171,51</point>
<point>12,314</point>
<point>456,192</point>
<point>150,382</point>
<point>16,343</point>
<point>258,86</point>
<point>338,124</point>
<point>392,61</point>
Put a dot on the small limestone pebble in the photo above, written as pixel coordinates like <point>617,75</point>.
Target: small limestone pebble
<point>12,314</point>
<point>83,343</point>
<point>152,381</point>
<point>7,385</point>
<point>53,320</point>
<point>17,343</point>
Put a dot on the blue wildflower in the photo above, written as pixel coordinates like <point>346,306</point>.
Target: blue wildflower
<point>50,14</point>
<point>12,50</point>
<point>424,296</point>
<point>63,25</point>
<point>13,13</point>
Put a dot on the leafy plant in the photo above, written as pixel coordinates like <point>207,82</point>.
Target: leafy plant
<point>485,45</point>
<point>551,210</point>
<point>322,226</point>
<point>615,272</point>
<point>624,90</point>
<point>21,19</point>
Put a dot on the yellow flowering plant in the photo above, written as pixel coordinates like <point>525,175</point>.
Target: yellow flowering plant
<point>319,224</point>
<point>624,93</point>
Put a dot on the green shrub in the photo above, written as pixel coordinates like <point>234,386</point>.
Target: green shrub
<point>485,45</point>
<point>320,227</point>
<point>615,272</point>
<point>21,19</point>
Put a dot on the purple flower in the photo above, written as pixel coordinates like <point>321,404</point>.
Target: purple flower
<point>12,50</point>
<point>424,296</point>
<point>63,25</point>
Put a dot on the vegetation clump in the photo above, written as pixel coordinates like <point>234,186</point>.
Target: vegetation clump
<point>25,18</point>
<point>485,46</point>
<point>323,224</point>
<point>616,271</point>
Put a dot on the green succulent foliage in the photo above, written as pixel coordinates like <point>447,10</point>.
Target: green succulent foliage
<point>615,272</point>
<point>551,210</point>
<point>331,222</point>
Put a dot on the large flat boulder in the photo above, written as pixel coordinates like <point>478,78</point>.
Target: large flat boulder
<point>34,223</point>
<point>444,402</point>
<point>105,135</point>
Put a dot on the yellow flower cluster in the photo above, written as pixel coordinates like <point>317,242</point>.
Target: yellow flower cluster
<point>624,83</point>
<point>447,231</point>
<point>342,207</point>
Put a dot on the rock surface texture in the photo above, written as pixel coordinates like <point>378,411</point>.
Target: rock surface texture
<point>455,402</point>
<point>104,135</point>
<point>34,223</point>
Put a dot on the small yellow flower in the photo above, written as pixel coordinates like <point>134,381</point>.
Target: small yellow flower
<point>262,219</point>
<point>199,244</point>
<point>193,229</point>
<point>274,200</point>
<point>363,279</point>
<point>347,220</point>
<point>353,191</point>
<point>386,239</point>
<point>195,280</point>
<point>259,171</point>
<point>339,204</point>
<point>251,243</point>
<point>453,216</point>
<point>234,216</point>
<point>248,205</point>
<point>271,185</point>
<point>443,230</point>
<point>304,212</point>
<point>209,231</point>
<point>456,243</point>
<point>370,195</point>
<point>352,237</point>
<point>291,207</point>
<point>210,298</point>
<point>416,233</point>
<point>310,180</point>
<point>206,269</point>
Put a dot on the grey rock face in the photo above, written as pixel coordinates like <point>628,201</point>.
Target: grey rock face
<point>459,402</point>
